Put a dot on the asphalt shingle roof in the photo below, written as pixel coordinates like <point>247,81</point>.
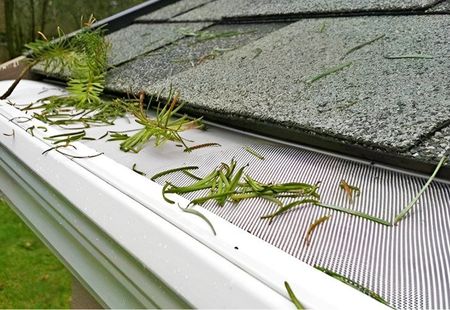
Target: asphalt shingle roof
<point>173,10</point>
<point>138,39</point>
<point>220,9</point>
<point>184,54</point>
<point>443,7</point>
<point>387,103</point>
<point>390,93</point>
<point>432,148</point>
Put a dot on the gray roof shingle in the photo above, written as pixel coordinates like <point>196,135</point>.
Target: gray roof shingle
<point>173,10</point>
<point>138,39</point>
<point>375,101</point>
<point>243,8</point>
<point>443,7</point>
<point>184,55</point>
<point>388,95</point>
<point>433,148</point>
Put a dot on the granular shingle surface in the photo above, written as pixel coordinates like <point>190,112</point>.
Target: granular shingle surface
<point>386,98</point>
<point>385,103</point>
<point>443,7</point>
<point>433,148</point>
<point>242,8</point>
<point>137,39</point>
<point>173,10</point>
<point>184,55</point>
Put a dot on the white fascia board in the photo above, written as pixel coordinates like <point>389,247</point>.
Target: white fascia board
<point>179,249</point>
<point>68,233</point>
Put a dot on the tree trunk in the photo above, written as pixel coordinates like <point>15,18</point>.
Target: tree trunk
<point>32,21</point>
<point>9,25</point>
<point>44,15</point>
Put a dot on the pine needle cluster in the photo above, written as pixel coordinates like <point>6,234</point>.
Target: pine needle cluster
<point>166,126</point>
<point>82,56</point>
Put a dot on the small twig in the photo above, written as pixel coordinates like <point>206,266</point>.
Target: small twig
<point>356,213</point>
<point>288,207</point>
<point>405,211</point>
<point>349,190</point>
<point>257,52</point>
<point>12,134</point>
<point>357,47</point>
<point>199,146</point>
<point>224,183</point>
<point>323,25</point>
<point>313,227</point>
<point>199,214</point>
<point>165,127</point>
<point>137,171</point>
<point>17,80</point>
<point>162,173</point>
<point>328,72</point>
<point>253,152</point>
<point>292,296</point>
<point>353,284</point>
<point>410,56</point>
<point>219,197</point>
<point>20,119</point>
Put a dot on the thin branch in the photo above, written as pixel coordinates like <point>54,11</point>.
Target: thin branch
<point>18,79</point>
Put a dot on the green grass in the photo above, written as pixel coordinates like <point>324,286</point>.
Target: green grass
<point>30,275</point>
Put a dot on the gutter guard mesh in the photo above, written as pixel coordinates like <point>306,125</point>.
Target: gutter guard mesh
<point>408,264</point>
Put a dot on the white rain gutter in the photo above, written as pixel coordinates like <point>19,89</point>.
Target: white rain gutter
<point>129,248</point>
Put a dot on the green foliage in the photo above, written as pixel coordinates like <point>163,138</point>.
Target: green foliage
<point>24,18</point>
<point>88,69</point>
<point>226,182</point>
<point>84,56</point>
<point>54,55</point>
<point>30,276</point>
<point>53,112</point>
<point>86,90</point>
<point>165,127</point>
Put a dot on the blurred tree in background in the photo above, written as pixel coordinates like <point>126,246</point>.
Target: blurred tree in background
<point>20,20</point>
